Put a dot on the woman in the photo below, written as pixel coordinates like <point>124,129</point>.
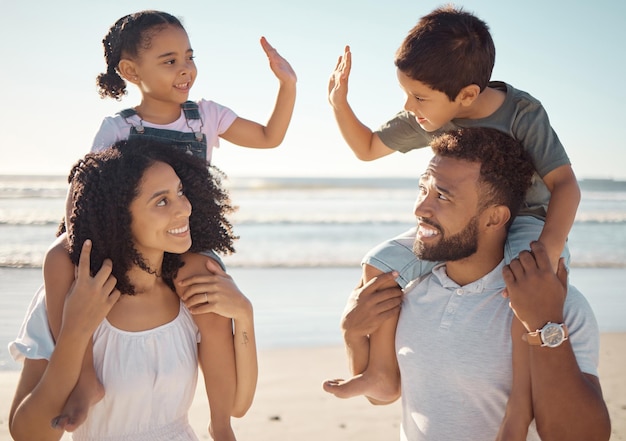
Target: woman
<point>132,221</point>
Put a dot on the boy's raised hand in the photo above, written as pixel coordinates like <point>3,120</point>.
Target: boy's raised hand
<point>338,83</point>
<point>281,67</point>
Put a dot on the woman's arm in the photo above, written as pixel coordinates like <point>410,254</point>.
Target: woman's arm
<point>206,288</point>
<point>45,386</point>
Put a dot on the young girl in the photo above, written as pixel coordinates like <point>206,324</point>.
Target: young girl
<point>133,218</point>
<point>151,50</point>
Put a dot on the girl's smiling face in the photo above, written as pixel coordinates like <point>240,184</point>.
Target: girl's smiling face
<point>165,70</point>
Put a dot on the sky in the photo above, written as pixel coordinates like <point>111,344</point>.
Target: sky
<point>568,54</point>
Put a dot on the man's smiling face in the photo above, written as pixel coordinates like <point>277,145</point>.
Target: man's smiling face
<point>447,210</point>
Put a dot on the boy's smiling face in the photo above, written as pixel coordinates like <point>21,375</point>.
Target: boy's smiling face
<point>432,109</point>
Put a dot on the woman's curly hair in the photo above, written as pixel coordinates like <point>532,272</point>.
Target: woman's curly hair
<point>105,183</point>
<point>506,169</point>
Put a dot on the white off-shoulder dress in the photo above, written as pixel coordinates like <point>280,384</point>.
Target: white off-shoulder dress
<point>149,376</point>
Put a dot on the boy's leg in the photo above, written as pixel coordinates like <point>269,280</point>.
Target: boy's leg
<point>523,231</point>
<point>397,255</point>
<point>378,380</point>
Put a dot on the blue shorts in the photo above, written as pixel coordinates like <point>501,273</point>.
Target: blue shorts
<point>397,254</point>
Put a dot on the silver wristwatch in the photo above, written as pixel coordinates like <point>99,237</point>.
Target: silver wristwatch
<point>551,335</point>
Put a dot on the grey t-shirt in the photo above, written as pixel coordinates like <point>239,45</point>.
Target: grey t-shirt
<point>520,116</point>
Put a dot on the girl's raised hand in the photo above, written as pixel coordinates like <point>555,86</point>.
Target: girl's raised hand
<point>281,67</point>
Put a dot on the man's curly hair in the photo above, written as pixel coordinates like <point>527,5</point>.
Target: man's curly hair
<point>105,183</point>
<point>506,168</point>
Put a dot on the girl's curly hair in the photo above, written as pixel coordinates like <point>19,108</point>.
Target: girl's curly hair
<point>105,183</point>
<point>126,38</point>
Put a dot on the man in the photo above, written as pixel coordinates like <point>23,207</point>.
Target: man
<point>453,344</point>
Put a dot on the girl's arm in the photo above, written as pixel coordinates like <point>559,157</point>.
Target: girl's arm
<point>44,386</point>
<point>564,200</point>
<point>248,133</point>
<point>206,288</point>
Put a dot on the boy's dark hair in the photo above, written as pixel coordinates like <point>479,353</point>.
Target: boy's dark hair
<point>126,37</point>
<point>448,50</point>
<point>506,169</point>
<point>105,183</point>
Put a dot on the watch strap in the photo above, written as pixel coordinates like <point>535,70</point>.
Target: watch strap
<point>534,338</point>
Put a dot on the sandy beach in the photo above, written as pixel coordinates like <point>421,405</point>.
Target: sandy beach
<point>290,403</point>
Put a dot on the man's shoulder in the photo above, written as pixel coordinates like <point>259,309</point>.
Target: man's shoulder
<point>577,310</point>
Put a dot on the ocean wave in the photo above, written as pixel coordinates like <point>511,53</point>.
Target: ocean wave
<point>28,222</point>
<point>378,219</point>
<point>601,218</point>
<point>348,263</point>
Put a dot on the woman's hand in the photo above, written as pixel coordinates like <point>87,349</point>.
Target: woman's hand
<point>90,298</point>
<point>215,292</point>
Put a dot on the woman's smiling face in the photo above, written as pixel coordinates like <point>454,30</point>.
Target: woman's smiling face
<point>160,213</point>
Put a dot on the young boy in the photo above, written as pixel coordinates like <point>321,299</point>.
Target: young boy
<point>444,66</point>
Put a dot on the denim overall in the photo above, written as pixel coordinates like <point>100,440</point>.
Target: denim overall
<point>193,143</point>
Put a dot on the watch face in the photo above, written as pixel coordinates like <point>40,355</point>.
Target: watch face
<point>552,335</point>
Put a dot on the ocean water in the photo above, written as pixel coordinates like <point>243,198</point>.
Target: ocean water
<point>301,241</point>
<point>306,222</point>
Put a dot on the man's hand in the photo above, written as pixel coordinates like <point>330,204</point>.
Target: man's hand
<point>370,305</point>
<point>536,293</point>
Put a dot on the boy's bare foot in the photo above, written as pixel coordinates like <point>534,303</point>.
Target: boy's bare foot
<point>77,407</point>
<point>360,385</point>
<point>345,388</point>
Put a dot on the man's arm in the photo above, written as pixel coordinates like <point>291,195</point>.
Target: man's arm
<point>366,145</point>
<point>567,403</point>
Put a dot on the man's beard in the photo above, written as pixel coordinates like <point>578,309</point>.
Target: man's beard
<point>456,247</point>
